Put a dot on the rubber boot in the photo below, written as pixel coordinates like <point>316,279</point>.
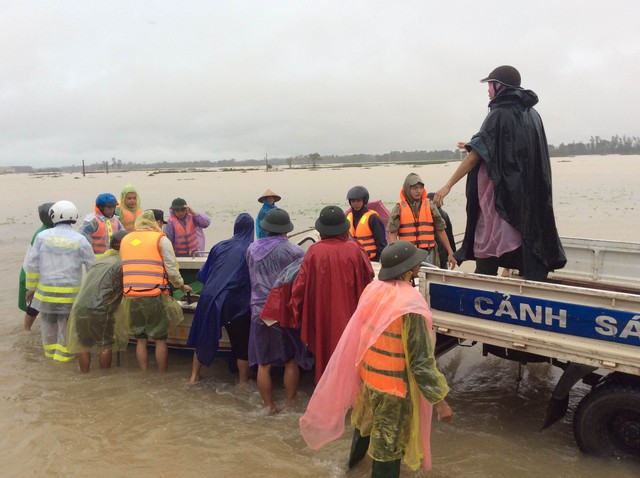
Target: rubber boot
<point>359,447</point>
<point>385,469</point>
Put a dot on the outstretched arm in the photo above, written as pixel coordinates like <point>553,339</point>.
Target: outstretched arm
<point>468,163</point>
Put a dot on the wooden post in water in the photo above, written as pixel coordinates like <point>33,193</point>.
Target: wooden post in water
<point>83,172</point>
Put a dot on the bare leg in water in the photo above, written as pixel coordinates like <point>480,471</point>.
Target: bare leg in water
<point>142,355</point>
<point>264,385</point>
<point>195,370</point>
<point>104,359</point>
<point>243,372</point>
<point>162,355</point>
<point>291,379</point>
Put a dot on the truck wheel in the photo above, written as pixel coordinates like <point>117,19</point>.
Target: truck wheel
<point>607,421</point>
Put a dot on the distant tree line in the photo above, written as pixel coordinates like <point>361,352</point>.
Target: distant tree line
<point>596,145</point>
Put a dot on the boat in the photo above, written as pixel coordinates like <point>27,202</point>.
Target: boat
<point>189,268</point>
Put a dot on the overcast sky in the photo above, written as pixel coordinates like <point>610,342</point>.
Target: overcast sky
<point>165,80</point>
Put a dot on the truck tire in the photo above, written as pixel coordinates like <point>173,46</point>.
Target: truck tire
<point>607,421</point>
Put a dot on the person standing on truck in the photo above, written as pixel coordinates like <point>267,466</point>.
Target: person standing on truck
<point>416,219</point>
<point>366,227</point>
<point>185,228</point>
<point>224,301</point>
<point>384,368</point>
<point>510,219</point>
<point>325,293</point>
<point>148,265</point>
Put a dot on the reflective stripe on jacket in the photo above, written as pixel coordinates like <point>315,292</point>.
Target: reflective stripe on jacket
<point>185,237</point>
<point>363,233</point>
<point>143,272</point>
<point>384,365</point>
<point>128,218</point>
<point>56,295</point>
<point>420,231</point>
<point>101,237</point>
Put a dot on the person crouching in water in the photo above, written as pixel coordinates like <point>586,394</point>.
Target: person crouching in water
<point>96,323</point>
<point>99,226</point>
<point>383,367</point>
<point>148,265</point>
<point>366,226</point>
<point>54,267</point>
<point>224,301</point>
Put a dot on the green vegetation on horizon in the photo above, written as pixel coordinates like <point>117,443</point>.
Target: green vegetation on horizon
<point>596,145</point>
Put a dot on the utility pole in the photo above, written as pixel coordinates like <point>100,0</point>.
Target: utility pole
<point>266,162</point>
<point>83,172</point>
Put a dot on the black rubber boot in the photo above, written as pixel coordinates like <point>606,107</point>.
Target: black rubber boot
<point>385,469</point>
<point>359,447</point>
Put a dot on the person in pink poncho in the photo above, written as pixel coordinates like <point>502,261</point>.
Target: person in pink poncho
<point>385,369</point>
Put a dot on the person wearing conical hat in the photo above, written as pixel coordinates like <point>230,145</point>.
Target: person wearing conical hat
<point>268,200</point>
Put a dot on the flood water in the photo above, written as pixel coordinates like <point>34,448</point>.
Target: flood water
<point>122,422</point>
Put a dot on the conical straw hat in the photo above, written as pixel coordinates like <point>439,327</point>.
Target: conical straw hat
<point>269,192</point>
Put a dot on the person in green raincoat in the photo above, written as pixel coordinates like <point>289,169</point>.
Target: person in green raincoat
<point>96,324</point>
<point>30,313</point>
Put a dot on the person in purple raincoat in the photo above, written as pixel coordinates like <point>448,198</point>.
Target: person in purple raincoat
<point>271,345</point>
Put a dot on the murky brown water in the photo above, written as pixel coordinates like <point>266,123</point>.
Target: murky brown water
<point>55,422</point>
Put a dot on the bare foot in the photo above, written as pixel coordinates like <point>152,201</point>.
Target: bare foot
<point>194,379</point>
<point>272,409</point>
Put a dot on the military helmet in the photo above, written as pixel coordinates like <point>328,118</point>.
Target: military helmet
<point>332,221</point>
<point>398,258</point>
<point>277,221</point>
<point>505,74</point>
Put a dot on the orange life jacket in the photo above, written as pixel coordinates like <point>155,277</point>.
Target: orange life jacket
<point>362,232</point>
<point>101,237</point>
<point>384,365</point>
<point>143,272</point>
<point>185,237</point>
<point>418,230</point>
<point>128,218</point>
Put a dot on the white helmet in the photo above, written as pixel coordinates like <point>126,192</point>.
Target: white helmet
<point>63,211</point>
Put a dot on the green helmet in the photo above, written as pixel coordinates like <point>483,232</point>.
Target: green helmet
<point>277,221</point>
<point>398,258</point>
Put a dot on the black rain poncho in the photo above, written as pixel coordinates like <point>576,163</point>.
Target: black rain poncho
<point>513,145</point>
